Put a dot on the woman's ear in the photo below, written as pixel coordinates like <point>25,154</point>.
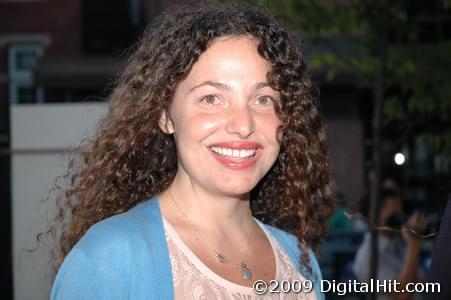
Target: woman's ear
<point>165,123</point>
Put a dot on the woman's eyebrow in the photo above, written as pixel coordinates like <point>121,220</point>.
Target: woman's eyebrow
<point>218,85</point>
<point>261,85</point>
<point>223,86</point>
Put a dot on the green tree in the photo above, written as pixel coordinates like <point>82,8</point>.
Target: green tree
<point>373,38</point>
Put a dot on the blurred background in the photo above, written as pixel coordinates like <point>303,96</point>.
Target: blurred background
<point>382,67</point>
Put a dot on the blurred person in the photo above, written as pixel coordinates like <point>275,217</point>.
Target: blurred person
<point>398,254</point>
<point>440,270</point>
<point>213,123</point>
<point>339,221</point>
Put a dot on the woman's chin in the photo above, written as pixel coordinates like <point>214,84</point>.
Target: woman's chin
<point>236,191</point>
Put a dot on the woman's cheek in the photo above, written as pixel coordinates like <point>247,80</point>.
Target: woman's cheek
<point>270,126</point>
<point>206,122</point>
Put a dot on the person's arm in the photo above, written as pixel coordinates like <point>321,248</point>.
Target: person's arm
<point>409,271</point>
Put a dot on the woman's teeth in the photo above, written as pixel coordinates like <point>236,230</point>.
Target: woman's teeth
<point>234,152</point>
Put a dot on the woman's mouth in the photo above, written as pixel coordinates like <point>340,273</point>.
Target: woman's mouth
<point>236,155</point>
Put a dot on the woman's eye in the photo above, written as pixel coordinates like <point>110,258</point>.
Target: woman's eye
<point>265,100</point>
<point>210,99</point>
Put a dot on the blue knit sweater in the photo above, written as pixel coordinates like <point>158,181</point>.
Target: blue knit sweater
<point>126,257</point>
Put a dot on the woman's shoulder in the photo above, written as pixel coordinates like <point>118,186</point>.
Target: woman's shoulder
<point>134,233</point>
<point>112,233</point>
<point>99,257</point>
<point>288,238</point>
<point>290,244</point>
<point>110,255</point>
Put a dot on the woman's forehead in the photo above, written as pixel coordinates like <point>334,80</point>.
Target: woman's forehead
<point>235,56</point>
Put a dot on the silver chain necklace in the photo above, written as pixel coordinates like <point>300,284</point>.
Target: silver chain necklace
<point>246,273</point>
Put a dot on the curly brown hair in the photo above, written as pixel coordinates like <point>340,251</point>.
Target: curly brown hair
<point>131,159</point>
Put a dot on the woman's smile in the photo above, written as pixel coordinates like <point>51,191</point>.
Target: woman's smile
<point>236,155</point>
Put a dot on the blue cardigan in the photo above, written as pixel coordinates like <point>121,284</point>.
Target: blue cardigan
<point>126,257</point>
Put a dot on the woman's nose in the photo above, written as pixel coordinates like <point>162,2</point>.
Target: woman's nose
<point>241,121</point>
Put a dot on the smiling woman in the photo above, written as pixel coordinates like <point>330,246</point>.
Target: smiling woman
<point>213,134</point>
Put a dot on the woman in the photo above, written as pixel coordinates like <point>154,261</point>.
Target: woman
<point>213,122</point>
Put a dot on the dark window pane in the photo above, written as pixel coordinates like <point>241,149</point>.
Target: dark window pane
<point>25,59</point>
<point>26,94</point>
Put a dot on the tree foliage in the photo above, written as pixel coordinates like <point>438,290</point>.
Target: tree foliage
<point>345,37</point>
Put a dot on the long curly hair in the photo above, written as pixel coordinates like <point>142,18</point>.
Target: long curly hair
<point>131,159</point>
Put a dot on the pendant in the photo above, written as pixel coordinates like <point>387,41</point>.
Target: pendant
<point>245,272</point>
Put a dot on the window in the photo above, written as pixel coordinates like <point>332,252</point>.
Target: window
<point>22,61</point>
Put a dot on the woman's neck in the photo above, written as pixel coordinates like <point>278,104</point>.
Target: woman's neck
<point>205,209</point>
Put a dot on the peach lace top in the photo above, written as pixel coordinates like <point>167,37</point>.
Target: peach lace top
<point>193,280</point>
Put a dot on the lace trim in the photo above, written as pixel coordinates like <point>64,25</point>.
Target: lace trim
<point>194,280</point>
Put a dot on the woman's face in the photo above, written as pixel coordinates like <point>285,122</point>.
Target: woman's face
<point>223,119</point>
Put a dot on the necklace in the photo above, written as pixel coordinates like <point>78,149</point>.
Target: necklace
<point>246,273</point>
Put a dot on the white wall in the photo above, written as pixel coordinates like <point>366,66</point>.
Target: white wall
<point>40,138</point>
